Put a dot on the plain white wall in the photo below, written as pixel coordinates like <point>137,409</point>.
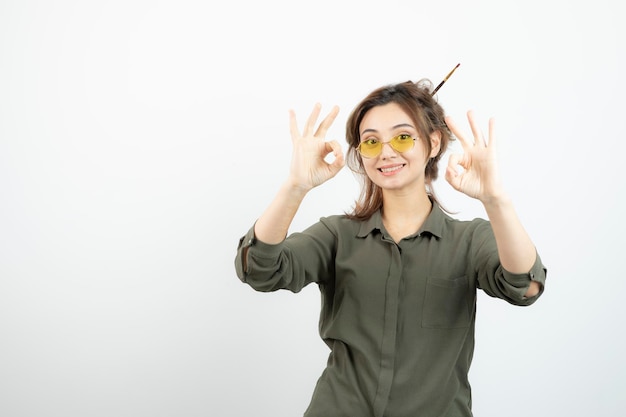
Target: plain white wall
<point>140,139</point>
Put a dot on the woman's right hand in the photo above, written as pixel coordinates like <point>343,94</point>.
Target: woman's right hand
<point>308,165</point>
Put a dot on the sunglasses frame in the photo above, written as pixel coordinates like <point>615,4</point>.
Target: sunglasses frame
<point>390,142</point>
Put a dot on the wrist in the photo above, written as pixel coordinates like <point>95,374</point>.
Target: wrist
<point>495,200</point>
<point>295,188</point>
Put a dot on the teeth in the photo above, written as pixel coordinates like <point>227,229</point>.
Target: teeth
<point>391,169</point>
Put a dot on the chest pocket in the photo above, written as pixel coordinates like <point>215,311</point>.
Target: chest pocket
<point>447,303</point>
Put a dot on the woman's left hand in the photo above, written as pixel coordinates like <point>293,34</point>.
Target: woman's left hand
<point>475,172</point>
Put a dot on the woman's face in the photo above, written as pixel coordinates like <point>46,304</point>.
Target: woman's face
<point>391,169</point>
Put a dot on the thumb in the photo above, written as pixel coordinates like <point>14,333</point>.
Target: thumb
<point>453,176</point>
<point>339,161</point>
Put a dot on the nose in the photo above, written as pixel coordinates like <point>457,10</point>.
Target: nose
<point>387,151</point>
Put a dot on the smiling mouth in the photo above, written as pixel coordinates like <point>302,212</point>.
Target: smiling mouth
<point>391,169</point>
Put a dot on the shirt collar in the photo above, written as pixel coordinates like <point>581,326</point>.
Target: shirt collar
<point>434,223</point>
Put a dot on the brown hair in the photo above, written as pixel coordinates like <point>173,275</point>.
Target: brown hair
<point>417,101</point>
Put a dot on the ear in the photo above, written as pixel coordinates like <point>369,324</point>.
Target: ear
<point>435,143</point>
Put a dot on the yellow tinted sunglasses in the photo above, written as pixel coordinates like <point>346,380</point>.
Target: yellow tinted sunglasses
<point>371,148</point>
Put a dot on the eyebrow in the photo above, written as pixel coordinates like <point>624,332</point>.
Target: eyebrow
<point>394,128</point>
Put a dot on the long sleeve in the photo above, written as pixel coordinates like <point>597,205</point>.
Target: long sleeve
<point>300,259</point>
<point>493,278</point>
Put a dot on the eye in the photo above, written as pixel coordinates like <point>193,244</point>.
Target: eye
<point>370,142</point>
<point>404,137</point>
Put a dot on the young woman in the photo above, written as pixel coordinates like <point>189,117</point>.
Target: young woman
<point>398,276</point>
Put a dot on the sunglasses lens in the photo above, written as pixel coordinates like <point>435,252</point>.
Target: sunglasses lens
<point>370,148</point>
<point>402,143</point>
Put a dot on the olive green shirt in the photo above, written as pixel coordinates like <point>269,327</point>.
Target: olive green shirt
<point>397,317</point>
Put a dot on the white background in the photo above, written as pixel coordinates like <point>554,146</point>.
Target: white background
<point>140,139</point>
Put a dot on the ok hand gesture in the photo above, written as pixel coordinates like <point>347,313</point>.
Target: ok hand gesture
<point>475,172</point>
<point>308,166</point>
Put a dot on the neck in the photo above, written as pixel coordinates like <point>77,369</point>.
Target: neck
<point>404,213</point>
